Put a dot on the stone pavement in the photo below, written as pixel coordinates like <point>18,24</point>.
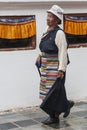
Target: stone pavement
<point>30,119</point>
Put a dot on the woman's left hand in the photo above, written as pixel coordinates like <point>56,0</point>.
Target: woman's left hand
<point>60,74</point>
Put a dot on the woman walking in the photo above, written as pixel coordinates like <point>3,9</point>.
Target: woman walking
<point>54,60</point>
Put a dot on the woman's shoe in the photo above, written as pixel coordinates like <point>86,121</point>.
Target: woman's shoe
<point>67,112</point>
<point>51,120</point>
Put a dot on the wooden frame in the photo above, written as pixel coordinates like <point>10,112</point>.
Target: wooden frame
<point>22,31</point>
<point>79,44</point>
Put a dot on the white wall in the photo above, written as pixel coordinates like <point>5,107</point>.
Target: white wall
<point>19,79</point>
<point>76,83</point>
<point>76,72</point>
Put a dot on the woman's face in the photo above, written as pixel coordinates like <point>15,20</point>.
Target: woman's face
<point>52,20</point>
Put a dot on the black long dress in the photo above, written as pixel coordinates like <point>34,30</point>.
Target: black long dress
<point>56,99</point>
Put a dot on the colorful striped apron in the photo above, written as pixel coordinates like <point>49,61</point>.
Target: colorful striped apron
<point>49,70</point>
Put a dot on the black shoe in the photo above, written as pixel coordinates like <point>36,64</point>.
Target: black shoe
<point>51,120</point>
<point>67,112</point>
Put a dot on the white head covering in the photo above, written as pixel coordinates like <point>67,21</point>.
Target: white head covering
<point>57,11</point>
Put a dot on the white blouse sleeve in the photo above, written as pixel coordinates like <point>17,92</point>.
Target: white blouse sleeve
<point>61,43</point>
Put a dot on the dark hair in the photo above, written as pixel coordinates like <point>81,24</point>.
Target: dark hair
<point>59,21</point>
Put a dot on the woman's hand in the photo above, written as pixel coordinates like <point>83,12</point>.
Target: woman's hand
<point>38,62</point>
<point>38,59</point>
<point>60,74</point>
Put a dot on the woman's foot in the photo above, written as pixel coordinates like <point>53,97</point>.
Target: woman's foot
<point>51,120</point>
<point>67,112</point>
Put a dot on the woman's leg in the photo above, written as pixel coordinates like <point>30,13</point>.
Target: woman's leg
<point>69,104</point>
<point>51,119</point>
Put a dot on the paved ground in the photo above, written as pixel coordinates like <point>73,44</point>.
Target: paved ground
<point>30,119</point>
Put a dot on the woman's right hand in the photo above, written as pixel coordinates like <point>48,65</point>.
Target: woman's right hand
<point>60,74</point>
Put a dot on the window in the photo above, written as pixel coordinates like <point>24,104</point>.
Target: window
<point>17,32</point>
<point>75,27</point>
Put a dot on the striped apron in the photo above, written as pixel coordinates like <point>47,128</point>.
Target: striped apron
<point>49,71</point>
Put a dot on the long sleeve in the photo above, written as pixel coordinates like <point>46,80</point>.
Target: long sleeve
<point>61,43</point>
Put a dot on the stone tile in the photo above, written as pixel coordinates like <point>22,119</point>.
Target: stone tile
<point>40,119</point>
<point>84,128</point>
<point>84,106</point>
<point>34,115</point>
<point>7,126</point>
<point>25,123</point>
<point>81,113</point>
<point>38,127</point>
<point>6,114</point>
<point>62,124</point>
<point>77,122</point>
<point>32,110</point>
<point>76,109</point>
<point>80,103</point>
<point>31,118</point>
<point>16,129</point>
<point>12,117</point>
<point>69,128</point>
<point>2,121</point>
